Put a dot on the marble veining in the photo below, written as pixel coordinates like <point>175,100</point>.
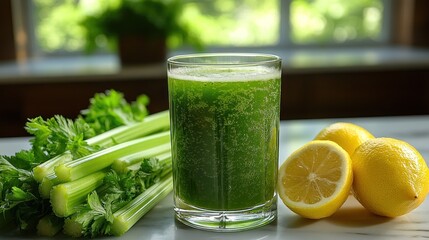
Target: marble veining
<point>352,221</point>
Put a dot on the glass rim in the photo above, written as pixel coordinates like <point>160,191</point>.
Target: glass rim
<point>269,59</point>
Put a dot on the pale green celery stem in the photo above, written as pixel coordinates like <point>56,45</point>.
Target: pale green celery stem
<point>66,196</point>
<point>84,166</point>
<point>127,216</point>
<point>72,228</point>
<point>46,168</point>
<point>153,123</point>
<point>120,165</point>
<point>46,185</point>
<point>49,225</point>
<point>166,169</point>
<point>164,159</point>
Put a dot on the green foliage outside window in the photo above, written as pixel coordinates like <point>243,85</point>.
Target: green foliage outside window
<point>57,25</point>
<point>225,22</point>
<point>235,23</point>
<point>321,21</point>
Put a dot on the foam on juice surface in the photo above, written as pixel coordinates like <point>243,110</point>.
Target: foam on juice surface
<point>227,74</point>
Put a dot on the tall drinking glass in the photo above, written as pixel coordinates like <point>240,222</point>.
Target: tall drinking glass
<point>224,111</point>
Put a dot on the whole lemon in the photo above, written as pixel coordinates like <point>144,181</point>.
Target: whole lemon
<point>391,178</point>
<point>348,135</point>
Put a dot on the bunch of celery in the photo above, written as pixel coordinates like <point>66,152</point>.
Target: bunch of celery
<point>67,172</point>
<point>121,200</point>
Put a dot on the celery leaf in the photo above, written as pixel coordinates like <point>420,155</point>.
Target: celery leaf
<point>109,110</point>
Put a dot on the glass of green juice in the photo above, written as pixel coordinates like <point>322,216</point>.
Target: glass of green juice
<point>224,112</point>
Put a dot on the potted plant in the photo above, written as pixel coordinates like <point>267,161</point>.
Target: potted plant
<point>139,29</point>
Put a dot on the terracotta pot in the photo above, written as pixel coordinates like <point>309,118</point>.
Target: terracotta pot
<point>137,50</point>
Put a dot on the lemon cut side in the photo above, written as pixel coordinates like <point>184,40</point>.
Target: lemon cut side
<point>315,180</point>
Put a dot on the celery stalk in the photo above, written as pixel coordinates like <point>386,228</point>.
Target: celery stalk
<point>72,228</point>
<point>76,169</point>
<point>46,185</point>
<point>127,216</point>
<point>95,217</point>
<point>151,124</point>
<point>120,165</point>
<point>164,160</point>
<point>49,225</point>
<point>44,169</point>
<point>66,196</point>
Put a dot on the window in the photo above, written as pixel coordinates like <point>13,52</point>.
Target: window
<point>235,23</point>
<point>336,21</point>
<point>57,26</point>
<point>232,23</point>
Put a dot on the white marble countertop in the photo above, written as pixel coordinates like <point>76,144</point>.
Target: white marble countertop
<point>351,221</point>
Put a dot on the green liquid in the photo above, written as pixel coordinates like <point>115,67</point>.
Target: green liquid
<point>224,139</point>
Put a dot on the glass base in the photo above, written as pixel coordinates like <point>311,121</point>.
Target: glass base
<point>227,221</point>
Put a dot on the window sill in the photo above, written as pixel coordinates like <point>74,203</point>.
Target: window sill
<point>355,59</point>
<point>295,61</point>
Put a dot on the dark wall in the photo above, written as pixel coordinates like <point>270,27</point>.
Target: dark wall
<point>356,94</point>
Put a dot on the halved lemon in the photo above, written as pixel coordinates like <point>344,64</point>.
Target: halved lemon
<point>315,180</point>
